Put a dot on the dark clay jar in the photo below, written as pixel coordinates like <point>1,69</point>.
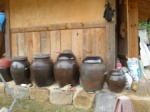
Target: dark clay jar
<point>5,72</point>
<point>5,69</point>
<point>42,70</point>
<point>116,80</point>
<point>66,69</point>
<point>92,73</point>
<point>20,70</point>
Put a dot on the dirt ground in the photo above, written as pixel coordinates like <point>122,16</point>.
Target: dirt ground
<point>34,106</point>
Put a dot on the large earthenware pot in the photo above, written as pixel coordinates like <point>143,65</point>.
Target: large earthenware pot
<point>42,70</point>
<point>20,70</point>
<point>5,69</point>
<point>92,73</point>
<point>66,69</point>
<point>116,80</point>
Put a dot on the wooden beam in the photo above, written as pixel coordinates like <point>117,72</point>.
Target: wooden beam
<point>7,30</point>
<point>64,26</point>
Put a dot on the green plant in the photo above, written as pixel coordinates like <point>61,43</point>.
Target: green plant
<point>144,25</point>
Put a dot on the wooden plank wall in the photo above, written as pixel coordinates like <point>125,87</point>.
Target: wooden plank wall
<point>83,42</point>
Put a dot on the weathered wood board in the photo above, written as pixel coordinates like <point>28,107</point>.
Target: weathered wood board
<point>83,42</point>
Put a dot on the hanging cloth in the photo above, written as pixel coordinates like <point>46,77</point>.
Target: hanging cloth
<point>123,104</point>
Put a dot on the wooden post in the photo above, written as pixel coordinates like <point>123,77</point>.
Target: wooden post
<point>7,30</point>
<point>110,46</point>
<point>111,40</point>
<point>133,28</point>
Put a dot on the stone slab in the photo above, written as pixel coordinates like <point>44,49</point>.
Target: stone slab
<point>59,97</point>
<point>39,94</point>
<point>84,100</point>
<point>19,92</point>
<point>104,101</point>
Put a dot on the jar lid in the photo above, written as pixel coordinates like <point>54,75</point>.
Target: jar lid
<point>41,56</point>
<point>116,72</point>
<point>93,60</point>
<point>66,56</point>
<point>19,58</point>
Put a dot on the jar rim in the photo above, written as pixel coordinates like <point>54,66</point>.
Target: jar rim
<point>19,58</point>
<point>38,56</point>
<point>93,60</point>
<point>66,56</point>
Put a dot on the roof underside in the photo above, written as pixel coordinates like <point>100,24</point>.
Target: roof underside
<point>144,10</point>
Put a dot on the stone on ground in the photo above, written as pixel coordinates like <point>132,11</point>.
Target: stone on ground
<point>4,109</point>
<point>39,94</point>
<point>84,100</point>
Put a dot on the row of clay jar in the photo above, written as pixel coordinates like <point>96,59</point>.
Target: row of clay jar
<point>43,72</point>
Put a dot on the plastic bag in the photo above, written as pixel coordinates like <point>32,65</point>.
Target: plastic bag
<point>128,77</point>
<point>134,69</point>
<point>144,54</point>
<point>143,36</point>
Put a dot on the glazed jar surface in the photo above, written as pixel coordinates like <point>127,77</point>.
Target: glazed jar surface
<point>66,70</point>
<point>116,80</point>
<point>5,69</point>
<point>20,70</point>
<point>92,73</point>
<point>42,70</point>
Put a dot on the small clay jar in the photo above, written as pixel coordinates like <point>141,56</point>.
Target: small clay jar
<point>66,70</point>
<point>116,80</point>
<point>92,73</point>
<point>5,69</point>
<point>20,70</point>
<point>42,70</point>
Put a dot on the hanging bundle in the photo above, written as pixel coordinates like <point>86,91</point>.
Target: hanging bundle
<point>2,21</point>
<point>109,12</point>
